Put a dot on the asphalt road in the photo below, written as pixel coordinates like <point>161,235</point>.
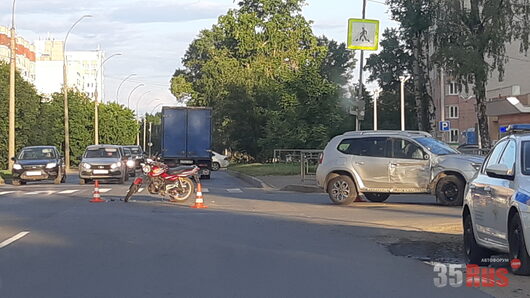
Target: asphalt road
<point>248,243</point>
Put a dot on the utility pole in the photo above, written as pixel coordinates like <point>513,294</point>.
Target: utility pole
<point>12,73</point>
<point>150,137</point>
<point>96,104</point>
<point>376,97</point>
<point>145,129</point>
<point>361,62</point>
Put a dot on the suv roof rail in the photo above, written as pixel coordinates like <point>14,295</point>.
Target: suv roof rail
<point>389,132</point>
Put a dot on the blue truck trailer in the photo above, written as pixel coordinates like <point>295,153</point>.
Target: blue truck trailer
<point>187,137</point>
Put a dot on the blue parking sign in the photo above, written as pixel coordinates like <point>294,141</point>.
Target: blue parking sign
<point>444,126</point>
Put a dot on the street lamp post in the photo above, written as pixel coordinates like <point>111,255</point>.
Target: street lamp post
<point>11,141</point>
<point>403,80</point>
<point>121,83</point>
<point>65,92</point>
<point>376,98</point>
<point>132,91</point>
<point>96,103</point>
<point>137,116</point>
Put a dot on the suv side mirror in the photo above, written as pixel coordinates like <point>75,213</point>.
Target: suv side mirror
<point>499,171</point>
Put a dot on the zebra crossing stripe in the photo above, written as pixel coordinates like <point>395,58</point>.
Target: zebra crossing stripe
<point>40,192</point>
<point>6,192</point>
<point>103,190</point>
<point>68,191</point>
<point>234,190</point>
<point>205,190</point>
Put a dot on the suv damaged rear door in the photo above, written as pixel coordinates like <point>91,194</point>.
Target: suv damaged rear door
<point>410,168</point>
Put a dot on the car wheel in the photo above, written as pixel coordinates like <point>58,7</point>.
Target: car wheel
<point>342,190</point>
<point>474,253</point>
<point>376,197</point>
<point>82,181</point>
<point>518,246</point>
<point>216,166</point>
<point>450,191</point>
<point>16,182</point>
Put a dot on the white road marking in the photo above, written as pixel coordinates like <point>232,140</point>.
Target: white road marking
<point>103,190</point>
<point>234,190</point>
<point>6,192</point>
<point>13,239</point>
<point>40,192</point>
<point>68,191</point>
<point>205,190</point>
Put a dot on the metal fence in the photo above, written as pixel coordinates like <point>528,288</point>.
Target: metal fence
<point>308,159</point>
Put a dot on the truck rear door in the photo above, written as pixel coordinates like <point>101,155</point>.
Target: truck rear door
<point>199,133</point>
<point>174,133</point>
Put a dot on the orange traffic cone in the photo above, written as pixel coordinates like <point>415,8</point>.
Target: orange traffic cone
<point>199,202</point>
<point>96,198</point>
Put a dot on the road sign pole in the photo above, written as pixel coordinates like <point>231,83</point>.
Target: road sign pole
<point>361,64</point>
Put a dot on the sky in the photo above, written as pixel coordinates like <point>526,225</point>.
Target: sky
<point>153,35</point>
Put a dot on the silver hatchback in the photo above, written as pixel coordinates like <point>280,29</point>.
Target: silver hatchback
<point>380,163</point>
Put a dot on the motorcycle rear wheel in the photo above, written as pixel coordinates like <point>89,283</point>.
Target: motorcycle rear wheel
<point>181,196</point>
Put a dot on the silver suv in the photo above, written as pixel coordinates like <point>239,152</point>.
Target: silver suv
<point>380,163</point>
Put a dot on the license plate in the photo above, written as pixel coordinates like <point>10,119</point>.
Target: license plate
<point>33,173</point>
<point>186,162</point>
<point>97,172</point>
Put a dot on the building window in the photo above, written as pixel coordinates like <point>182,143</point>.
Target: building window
<point>454,136</point>
<point>454,88</point>
<point>453,112</point>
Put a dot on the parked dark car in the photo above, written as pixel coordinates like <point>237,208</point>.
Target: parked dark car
<point>137,153</point>
<point>103,162</point>
<point>38,163</point>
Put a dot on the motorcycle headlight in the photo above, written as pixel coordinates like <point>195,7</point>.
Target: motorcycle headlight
<point>115,165</point>
<point>51,165</point>
<point>146,169</point>
<point>86,166</point>
<point>17,166</point>
<point>131,163</point>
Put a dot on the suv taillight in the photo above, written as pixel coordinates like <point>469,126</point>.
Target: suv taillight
<point>321,159</point>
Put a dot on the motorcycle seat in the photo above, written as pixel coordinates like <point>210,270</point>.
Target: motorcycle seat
<point>180,170</point>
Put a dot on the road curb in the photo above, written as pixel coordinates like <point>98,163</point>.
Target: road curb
<point>302,188</point>
<point>250,180</point>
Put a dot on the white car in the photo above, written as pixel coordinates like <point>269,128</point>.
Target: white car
<point>219,161</point>
<point>496,214</point>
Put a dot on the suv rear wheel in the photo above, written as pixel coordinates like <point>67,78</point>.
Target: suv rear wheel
<point>376,196</point>
<point>342,190</point>
<point>450,191</point>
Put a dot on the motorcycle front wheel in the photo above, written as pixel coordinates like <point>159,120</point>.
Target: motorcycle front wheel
<point>132,190</point>
<point>187,189</point>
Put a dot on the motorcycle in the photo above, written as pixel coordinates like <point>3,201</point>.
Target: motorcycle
<point>160,179</point>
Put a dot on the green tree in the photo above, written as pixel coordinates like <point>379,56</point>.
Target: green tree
<point>471,39</point>
<point>27,114</point>
<point>417,18</point>
<point>393,61</point>
<point>270,81</point>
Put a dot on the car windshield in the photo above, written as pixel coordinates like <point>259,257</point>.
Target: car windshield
<point>436,146</point>
<point>135,150</point>
<point>102,153</point>
<point>37,153</point>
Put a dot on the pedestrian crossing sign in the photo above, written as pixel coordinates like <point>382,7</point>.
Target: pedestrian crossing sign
<point>363,34</point>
